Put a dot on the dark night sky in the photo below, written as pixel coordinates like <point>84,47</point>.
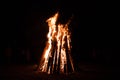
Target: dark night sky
<point>23,18</point>
<point>25,26</point>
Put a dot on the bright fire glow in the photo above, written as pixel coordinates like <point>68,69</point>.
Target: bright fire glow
<point>58,48</point>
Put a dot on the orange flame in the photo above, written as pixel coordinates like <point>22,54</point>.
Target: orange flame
<point>54,55</point>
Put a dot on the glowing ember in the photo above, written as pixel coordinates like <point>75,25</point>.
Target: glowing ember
<point>56,56</point>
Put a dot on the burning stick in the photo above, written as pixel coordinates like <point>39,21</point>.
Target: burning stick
<point>56,56</point>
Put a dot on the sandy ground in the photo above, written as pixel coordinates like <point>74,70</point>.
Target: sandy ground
<point>27,72</point>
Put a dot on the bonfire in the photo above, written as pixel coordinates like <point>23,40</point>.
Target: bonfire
<point>56,57</point>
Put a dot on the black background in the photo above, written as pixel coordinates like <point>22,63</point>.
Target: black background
<point>23,26</point>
